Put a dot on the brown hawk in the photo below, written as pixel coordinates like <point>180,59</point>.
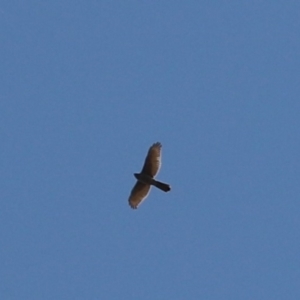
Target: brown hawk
<point>146,178</point>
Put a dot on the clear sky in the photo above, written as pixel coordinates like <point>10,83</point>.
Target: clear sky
<point>87,86</point>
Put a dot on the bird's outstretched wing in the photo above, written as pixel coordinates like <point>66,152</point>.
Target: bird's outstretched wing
<point>153,160</point>
<point>138,194</point>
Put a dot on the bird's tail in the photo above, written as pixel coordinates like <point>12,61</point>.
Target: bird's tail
<point>162,186</point>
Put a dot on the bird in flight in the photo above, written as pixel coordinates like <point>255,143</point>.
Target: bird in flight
<point>146,178</point>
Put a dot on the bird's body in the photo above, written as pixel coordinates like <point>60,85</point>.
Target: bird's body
<point>146,178</point>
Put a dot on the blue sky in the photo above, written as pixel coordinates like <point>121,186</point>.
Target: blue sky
<point>87,87</point>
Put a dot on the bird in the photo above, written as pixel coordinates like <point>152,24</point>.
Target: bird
<point>145,179</point>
